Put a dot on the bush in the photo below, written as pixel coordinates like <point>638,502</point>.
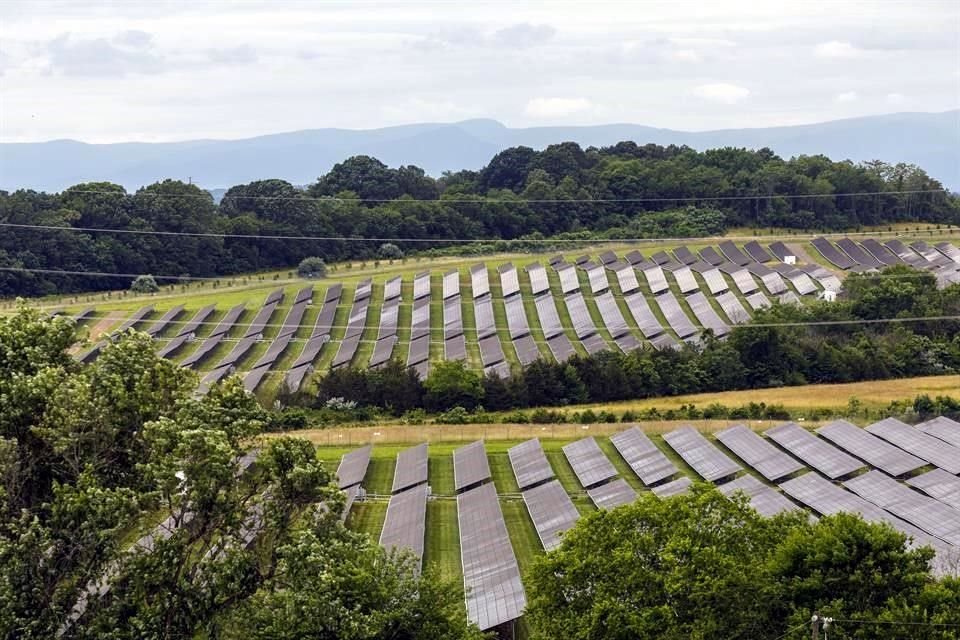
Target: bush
<point>312,267</point>
<point>144,284</point>
<point>457,415</point>
<point>390,251</point>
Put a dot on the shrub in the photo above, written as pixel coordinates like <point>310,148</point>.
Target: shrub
<point>144,284</point>
<point>312,267</point>
<point>390,251</point>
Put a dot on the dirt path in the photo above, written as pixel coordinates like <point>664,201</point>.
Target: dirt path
<point>105,324</point>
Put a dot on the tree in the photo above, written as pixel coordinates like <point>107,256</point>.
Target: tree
<point>312,267</point>
<point>144,284</point>
<point>451,384</point>
<point>390,251</point>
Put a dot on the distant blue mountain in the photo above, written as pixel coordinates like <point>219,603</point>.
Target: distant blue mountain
<point>930,140</point>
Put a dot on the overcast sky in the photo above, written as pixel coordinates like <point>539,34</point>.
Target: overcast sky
<point>158,71</point>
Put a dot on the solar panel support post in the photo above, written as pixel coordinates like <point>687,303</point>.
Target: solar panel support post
<point>815,626</point>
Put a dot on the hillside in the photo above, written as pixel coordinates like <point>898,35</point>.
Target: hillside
<point>930,140</point>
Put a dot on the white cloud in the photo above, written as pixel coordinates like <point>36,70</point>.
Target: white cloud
<point>722,92</point>
<point>686,55</point>
<point>895,98</point>
<point>846,96</point>
<point>836,49</point>
<point>556,107</point>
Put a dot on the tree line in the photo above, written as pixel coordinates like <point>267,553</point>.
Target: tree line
<point>623,191</point>
<point>784,345</point>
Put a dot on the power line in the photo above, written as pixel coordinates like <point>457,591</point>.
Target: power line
<point>905,623</point>
<point>481,200</point>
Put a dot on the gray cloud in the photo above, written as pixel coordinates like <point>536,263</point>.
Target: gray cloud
<point>523,35</point>
<point>244,54</point>
<point>72,56</point>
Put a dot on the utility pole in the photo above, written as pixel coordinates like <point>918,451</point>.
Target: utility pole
<point>815,626</point>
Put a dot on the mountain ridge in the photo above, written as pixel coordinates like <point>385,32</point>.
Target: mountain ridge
<point>930,140</point>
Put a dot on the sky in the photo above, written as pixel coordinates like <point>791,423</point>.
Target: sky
<point>162,71</point>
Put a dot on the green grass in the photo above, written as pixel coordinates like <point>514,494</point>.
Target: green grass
<point>367,517</point>
<point>620,464</point>
<point>564,472</point>
<point>502,473</point>
<point>523,535</point>
<point>440,474</point>
<point>379,478</point>
<point>442,547</point>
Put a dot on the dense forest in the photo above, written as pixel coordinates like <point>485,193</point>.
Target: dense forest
<point>92,458</point>
<point>623,191</point>
<point>784,345</point>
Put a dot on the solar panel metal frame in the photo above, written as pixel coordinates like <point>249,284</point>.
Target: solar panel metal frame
<point>597,277</point>
<point>759,453</point>
<point>929,514</point>
<point>164,321</point>
<point>451,284</point>
<point>455,348</point>
<point>539,281</point>
<point>607,257</point>
<point>479,280</point>
<point>529,463</point>
<point>716,283</point>
<point>579,315</point>
<point>706,315</point>
<point>686,281</point>
<point>756,251</point>
<point>324,323</point>
<point>552,512</point>
<point>404,526</point>
<point>675,315</point>
<point>712,256</point>
<point>645,458</point>
<point>470,465</point>
<point>353,467</point>
<point>942,428</point>
<point>419,351</point>
<point>733,253</point>
<point>421,285</point>
<point>411,468</point>
<point>813,451</point>
<point>765,500</point>
<point>732,307</point>
<point>383,351</point>
<point>560,347</point>
<point>259,322</point>
<point>509,280</point>
<point>346,351</point>
<point>527,350</point>
<point>627,278</point>
<point>656,279</point>
<point>491,576</point>
<point>516,317</point>
<point>643,315</point>
<point>831,254</point>
<point>634,257</point>
<point>613,494</point>
<point>701,454</point>
<point>685,256</point>
<point>588,461</point>
<point>549,318</point>
<point>673,488</point>
<point>569,282</point>
<point>612,318</point>
<point>938,484</point>
<point>926,447</point>
<point>873,450</point>
<point>420,318</point>
<point>392,288</point>
<point>491,351</point>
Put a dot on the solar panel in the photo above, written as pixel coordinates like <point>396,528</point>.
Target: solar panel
<point>325,318</point>
<point>483,314</point>
<point>357,321</point>
<point>675,315</point>
<point>943,428</point>
<point>254,377</point>
<point>516,317</point>
<point>579,315</point>
<point>925,447</point>
<point>86,313</point>
<point>868,447</point>
<point>479,280</point>
<point>673,488</point>
<point>405,522</point>
<point>455,348</point>
<point>611,315</point>
<point>607,257</point>
<point>656,279</point>
<point>292,322</point>
<point>500,370</point>
<point>164,321</point>
<point>645,458</point>
<point>351,496</point>
<point>705,313</point>
<point>389,311</point>
<point>470,465</point>
<point>333,292</point>
<point>568,278</point>
<point>613,494</point>
<point>939,484</point>
<point>767,501</point>
<point>294,378</point>
<point>419,351</point>
<point>757,252</point>
<point>712,256</point>
<point>172,346</point>
<point>949,250</point>
<point>593,344</point>
<point>634,257</point>
<point>924,512</point>
<point>201,352</point>
<point>392,288</point>
<point>509,282</point>
<point>925,250</point>
<point>588,462</point>
<point>744,281</point>
<point>526,348</point>
<point>529,463</point>
<point>421,286</point>
<point>353,467</point>
<point>597,276</point>
<point>451,284</point>
<point>420,318</point>
<point>766,459</point>
<point>627,342</point>
<point>903,251</point>
<point>627,278</point>
<point>383,351</point>
<point>813,451</point>
<point>491,352</point>
<point>857,253</point>
<point>581,259</point>
<point>800,281</point>
<point>91,354</point>
<point>240,349</point>
<point>213,377</point>
<point>539,282</point>
<point>273,352</point>
<point>705,458</point>
<point>781,251</point>
<point>685,280</point>
<point>135,319</point>
<point>452,318</point>
<point>552,512</point>
<point>549,319</point>
<point>734,254</point>
<point>880,252</point>
<point>646,320</point>
<point>422,369</point>
<point>555,260</point>
<point>832,254</point>
<point>346,351</point>
<point>256,326</point>
<point>491,577</point>
<point>684,255</point>
<point>716,283</point>
<point>364,290</point>
<point>560,347</point>
<point>731,306</point>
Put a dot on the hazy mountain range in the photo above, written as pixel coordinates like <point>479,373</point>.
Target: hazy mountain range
<point>931,140</point>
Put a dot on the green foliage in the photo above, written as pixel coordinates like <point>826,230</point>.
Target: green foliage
<point>144,284</point>
<point>390,251</point>
<point>451,384</point>
<point>312,267</point>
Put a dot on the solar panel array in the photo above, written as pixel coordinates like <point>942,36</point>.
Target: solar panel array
<point>597,277</point>
<point>868,447</point>
<point>943,428</point>
<point>491,576</point>
<point>479,280</point>
<point>705,313</point>
<point>529,463</point>
<point>757,252</point>
<point>322,328</point>
<point>716,283</point>
<point>743,280</point>
<point>411,468</point>
<point>656,279</point>
<point>421,285</point>
<point>643,315</point>
<point>813,451</point>
<point>800,280</point>
<point>672,488</point>
<point>454,342</point>
<point>539,282</point>
<point>881,253</point>
<point>356,323</point>
<point>925,447</point>
<point>766,459</point>
<point>289,327</point>
<point>612,494</point>
<point>833,255</point>
<point>551,510</point>
<point>712,256</point>
<point>767,501</point>
<point>387,332</point>
<point>732,306</point>
<point>938,484</point>
<point>615,323</point>
<point>645,458</point>
<point>588,462</point>
<point>470,465</point>
<point>164,321</point>
<point>568,278</point>
<point>353,467</point>
<point>771,280</point>
<point>705,458</point>
<point>405,522</point>
<point>451,284</point>
<point>757,301</point>
<point>675,315</point>
<point>733,253</point>
<point>557,340</point>
<point>686,281</point>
